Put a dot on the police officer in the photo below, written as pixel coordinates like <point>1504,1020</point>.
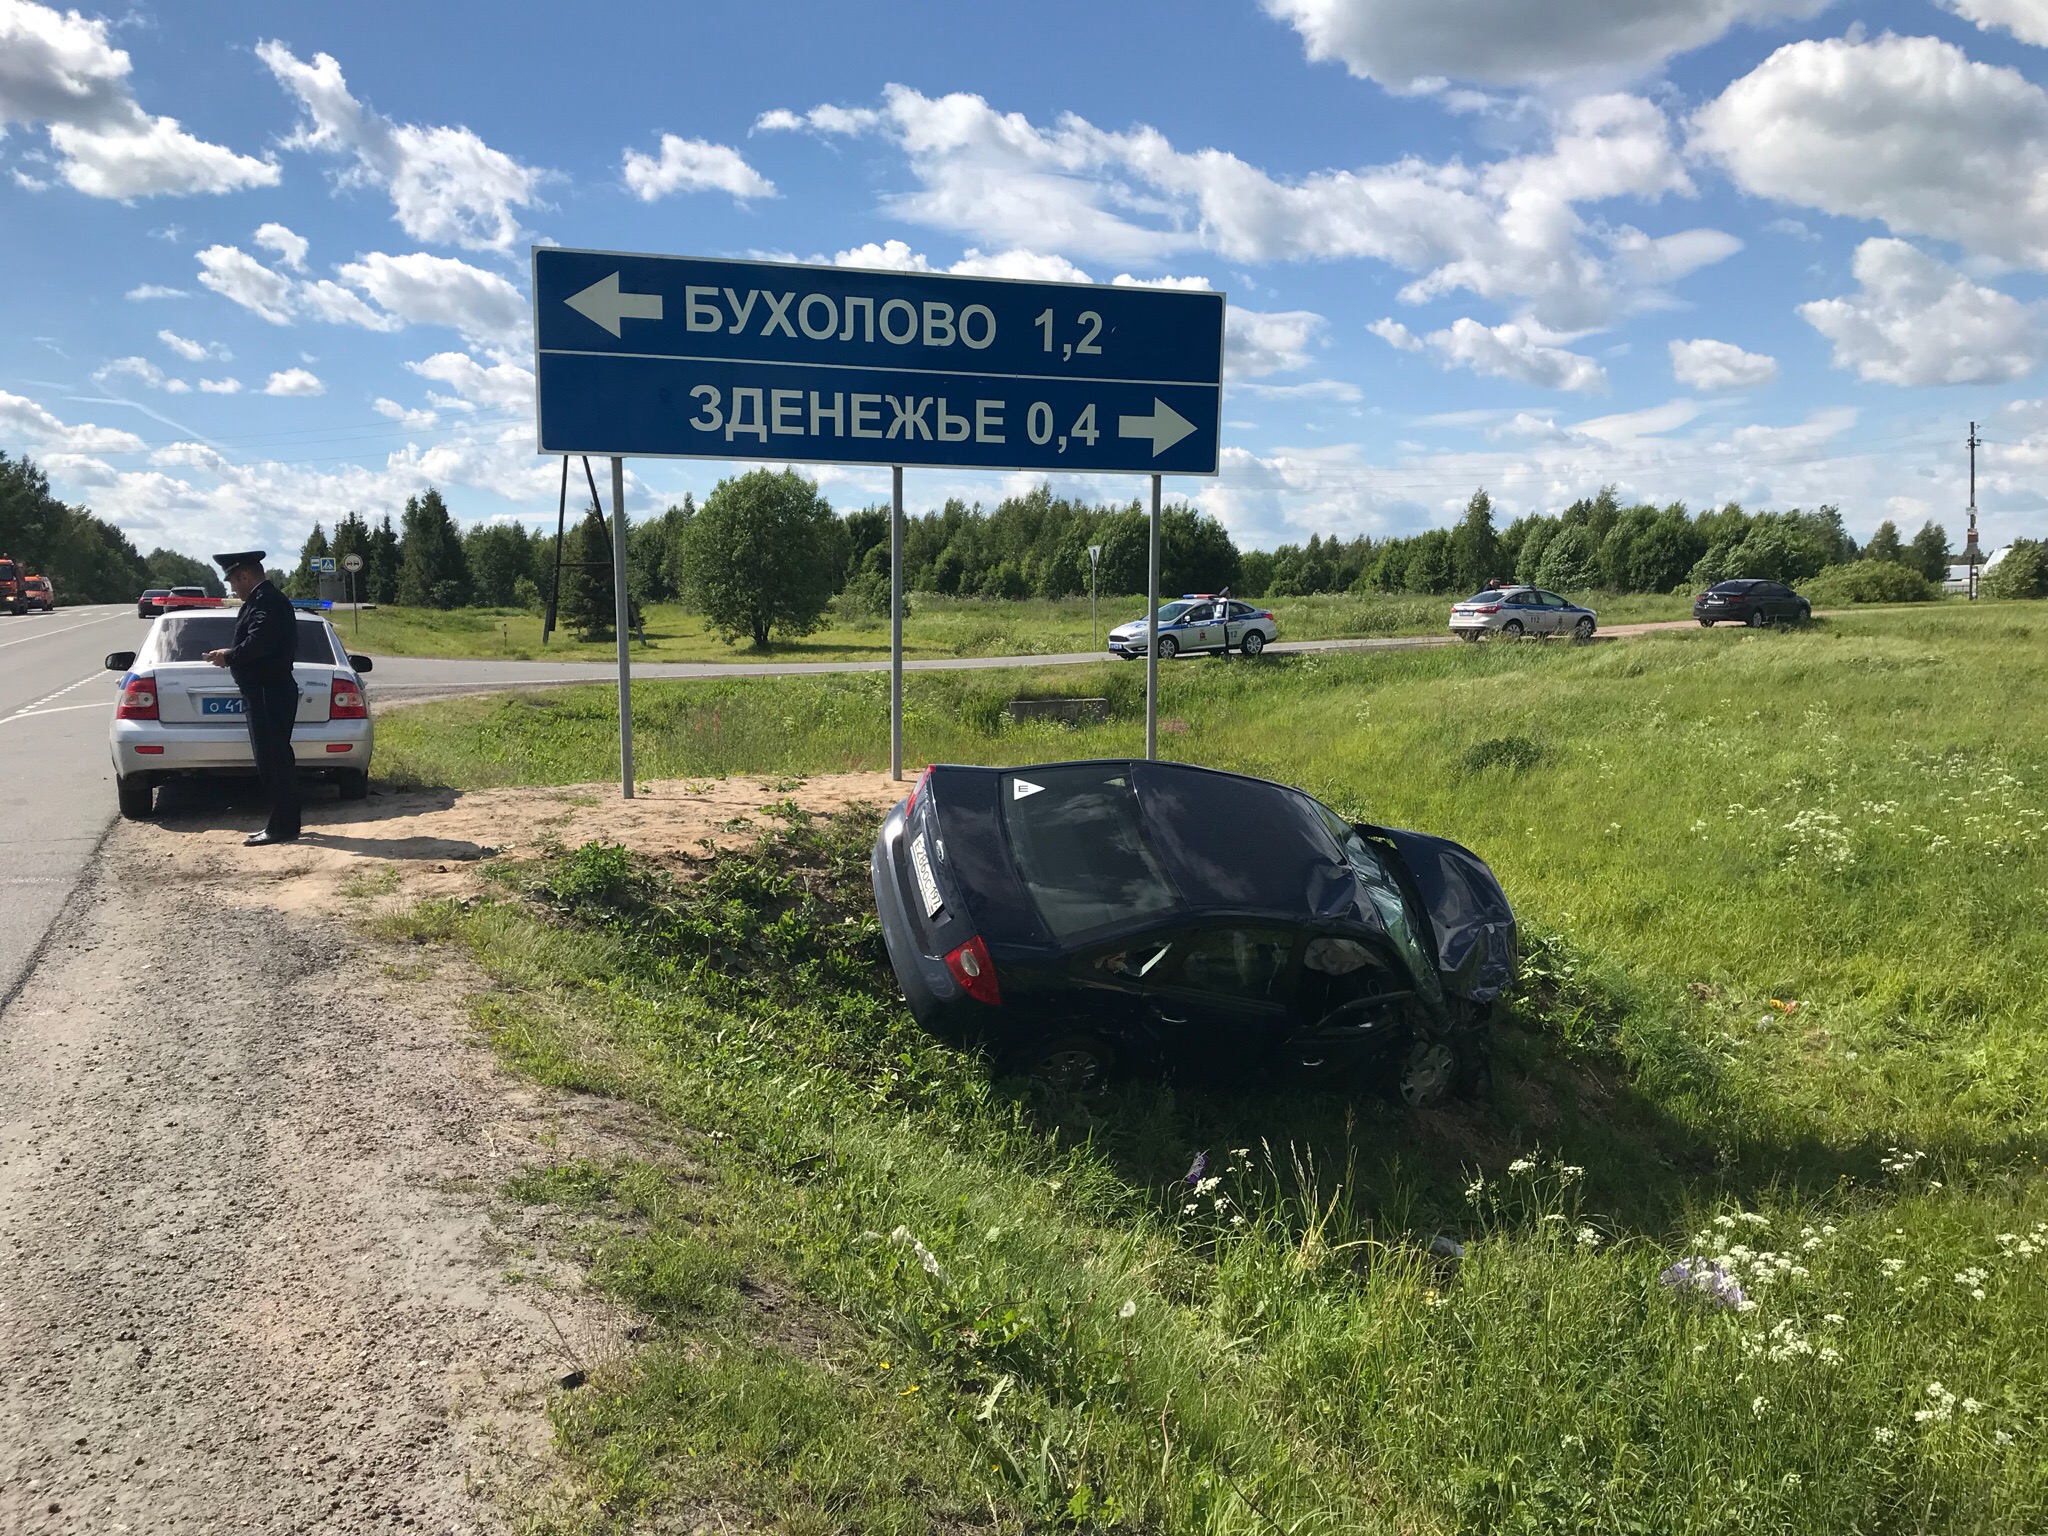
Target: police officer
<point>266,643</point>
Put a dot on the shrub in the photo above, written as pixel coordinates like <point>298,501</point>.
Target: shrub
<point>2022,573</point>
<point>1868,581</point>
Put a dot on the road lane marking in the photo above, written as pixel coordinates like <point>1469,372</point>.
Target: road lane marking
<point>61,709</point>
<point>35,705</point>
<point>67,629</point>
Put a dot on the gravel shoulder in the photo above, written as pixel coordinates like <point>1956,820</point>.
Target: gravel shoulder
<point>251,1274</point>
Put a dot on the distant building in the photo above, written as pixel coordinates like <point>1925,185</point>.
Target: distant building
<point>1958,579</point>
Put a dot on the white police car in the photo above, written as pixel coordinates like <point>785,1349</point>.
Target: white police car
<point>1199,621</point>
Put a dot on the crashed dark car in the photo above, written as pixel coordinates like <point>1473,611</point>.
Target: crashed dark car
<point>1081,920</point>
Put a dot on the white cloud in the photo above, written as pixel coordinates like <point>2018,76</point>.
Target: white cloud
<point>2024,19</point>
<point>446,184</point>
<point>193,351</point>
<point>505,386</point>
<point>1411,45</point>
<point>693,165</point>
<point>1507,231</point>
<point>294,381</point>
<point>1704,364</point>
<point>404,415</point>
<point>1905,130</point>
<point>1256,344</point>
<point>59,69</point>
<point>439,290</point>
<point>143,371</point>
<point>326,300</point>
<point>1915,320</point>
<point>234,274</point>
<point>1026,266</point>
<point>289,248</point>
<point>220,386</point>
<point>1502,351</point>
<point>25,421</point>
<point>146,291</point>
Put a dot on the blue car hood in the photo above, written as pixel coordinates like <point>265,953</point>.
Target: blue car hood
<point>1468,911</point>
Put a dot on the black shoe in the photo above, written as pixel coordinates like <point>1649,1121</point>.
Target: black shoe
<point>265,839</point>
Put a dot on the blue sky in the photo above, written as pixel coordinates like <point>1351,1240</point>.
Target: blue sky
<point>265,264</point>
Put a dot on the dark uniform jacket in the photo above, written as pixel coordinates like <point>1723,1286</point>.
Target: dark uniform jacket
<point>266,639</point>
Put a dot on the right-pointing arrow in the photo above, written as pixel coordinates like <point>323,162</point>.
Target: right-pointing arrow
<point>1165,426</point>
<point>603,303</point>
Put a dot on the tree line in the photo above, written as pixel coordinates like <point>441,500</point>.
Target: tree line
<point>87,559</point>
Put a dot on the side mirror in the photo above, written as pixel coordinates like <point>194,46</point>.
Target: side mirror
<point>120,661</point>
<point>360,663</point>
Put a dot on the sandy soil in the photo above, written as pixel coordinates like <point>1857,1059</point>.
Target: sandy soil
<point>413,844</point>
<point>253,1276</point>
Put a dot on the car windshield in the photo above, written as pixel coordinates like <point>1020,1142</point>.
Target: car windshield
<point>1079,844</point>
<point>1168,612</point>
<point>189,639</point>
<point>1384,892</point>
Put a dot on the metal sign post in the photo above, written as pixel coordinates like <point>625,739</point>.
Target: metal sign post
<point>352,563</point>
<point>896,622</point>
<point>679,357</point>
<point>1094,612</point>
<point>1152,634</point>
<point>621,607</point>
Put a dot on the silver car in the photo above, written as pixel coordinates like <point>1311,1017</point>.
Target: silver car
<point>1513,612</point>
<point>1199,621</point>
<point>179,714</point>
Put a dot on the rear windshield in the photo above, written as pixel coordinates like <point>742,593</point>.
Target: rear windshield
<point>1734,586</point>
<point>1080,847</point>
<point>1490,595</point>
<point>191,637</point>
<point>188,591</point>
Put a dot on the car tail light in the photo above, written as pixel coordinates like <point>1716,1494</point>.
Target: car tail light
<point>341,746</point>
<point>151,751</point>
<point>1486,608</point>
<point>138,698</point>
<point>916,789</point>
<point>345,700</point>
<point>975,972</point>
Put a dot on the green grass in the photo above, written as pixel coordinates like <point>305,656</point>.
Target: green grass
<point>937,627</point>
<point>1849,818</point>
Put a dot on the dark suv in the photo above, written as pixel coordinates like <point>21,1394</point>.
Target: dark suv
<point>1755,603</point>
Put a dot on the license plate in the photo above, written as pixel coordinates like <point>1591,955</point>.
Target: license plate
<point>927,882</point>
<point>230,705</point>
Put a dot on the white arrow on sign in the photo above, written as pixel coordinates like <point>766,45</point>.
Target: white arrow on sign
<point>603,303</point>
<point>1165,426</point>
<point>1021,789</point>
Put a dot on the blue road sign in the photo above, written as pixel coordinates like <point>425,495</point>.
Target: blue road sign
<point>675,357</point>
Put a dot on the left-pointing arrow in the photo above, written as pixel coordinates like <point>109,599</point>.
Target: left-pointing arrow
<point>603,303</point>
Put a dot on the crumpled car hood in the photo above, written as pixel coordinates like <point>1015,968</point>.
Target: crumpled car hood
<point>1468,911</point>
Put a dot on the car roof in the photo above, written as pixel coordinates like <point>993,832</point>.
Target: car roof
<point>1229,842</point>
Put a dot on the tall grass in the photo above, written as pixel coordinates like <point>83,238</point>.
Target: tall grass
<point>1782,1015</point>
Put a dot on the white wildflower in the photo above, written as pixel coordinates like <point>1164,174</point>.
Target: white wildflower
<point>1127,1311</point>
<point>1884,1436</point>
<point>1759,1406</point>
<point>1521,1165</point>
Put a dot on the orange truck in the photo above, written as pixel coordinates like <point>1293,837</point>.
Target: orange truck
<point>14,596</point>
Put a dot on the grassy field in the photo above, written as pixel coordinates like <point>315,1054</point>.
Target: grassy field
<point>936,626</point>
<point>1786,898</point>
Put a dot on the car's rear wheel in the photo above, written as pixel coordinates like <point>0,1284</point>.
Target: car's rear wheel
<point>354,783</point>
<point>1582,631</point>
<point>1467,635</point>
<point>1254,642</point>
<point>137,794</point>
<point>1706,623</point>
<point>1168,647</point>
<point>1075,1062</point>
<point>1757,619</point>
<point>1512,629</point>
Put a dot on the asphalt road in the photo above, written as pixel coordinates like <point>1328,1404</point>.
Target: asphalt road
<point>56,782</point>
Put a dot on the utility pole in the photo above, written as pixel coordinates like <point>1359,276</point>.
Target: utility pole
<point>1972,555</point>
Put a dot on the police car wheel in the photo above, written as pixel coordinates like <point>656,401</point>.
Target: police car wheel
<point>1168,647</point>
<point>137,795</point>
<point>1253,643</point>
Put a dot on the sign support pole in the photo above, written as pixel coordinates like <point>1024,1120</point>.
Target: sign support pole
<point>1152,634</point>
<point>896,623</point>
<point>620,606</point>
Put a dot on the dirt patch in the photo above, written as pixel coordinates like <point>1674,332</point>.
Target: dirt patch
<point>407,845</point>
